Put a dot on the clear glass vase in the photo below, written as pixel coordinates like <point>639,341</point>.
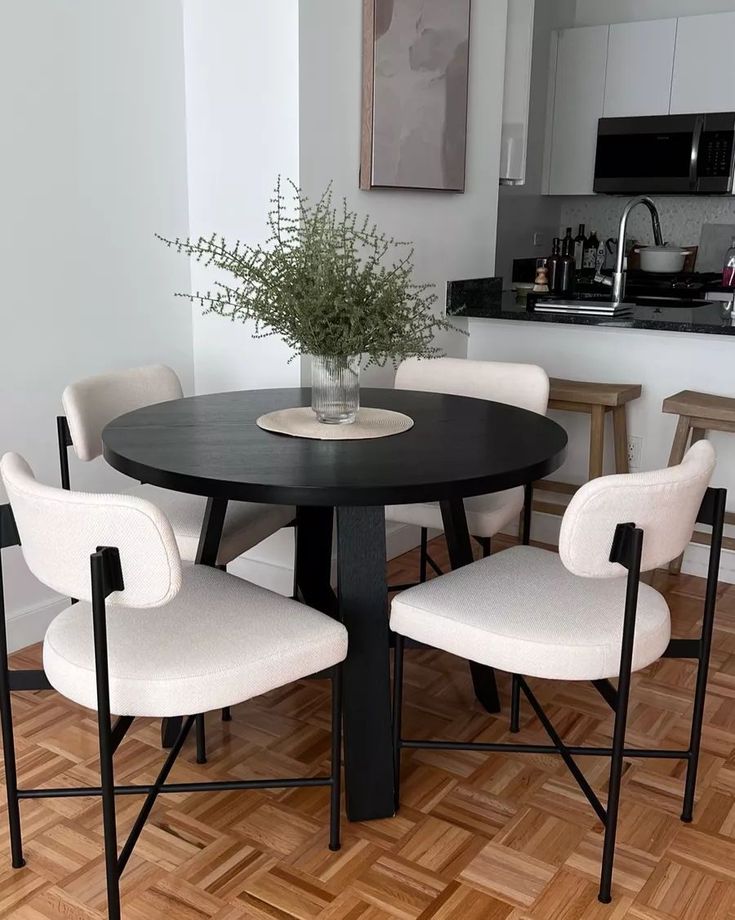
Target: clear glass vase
<point>335,388</point>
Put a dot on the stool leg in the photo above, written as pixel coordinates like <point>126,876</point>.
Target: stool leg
<point>527,514</point>
<point>681,439</point>
<point>597,441</point>
<point>397,707</point>
<point>678,449</point>
<point>620,436</point>
<point>335,793</point>
<point>515,704</point>
<point>424,552</point>
<point>201,739</point>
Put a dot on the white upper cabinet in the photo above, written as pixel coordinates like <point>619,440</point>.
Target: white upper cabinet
<point>704,77</point>
<point>640,62</point>
<point>579,91</point>
<point>517,93</point>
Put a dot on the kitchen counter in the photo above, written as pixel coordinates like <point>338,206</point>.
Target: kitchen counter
<point>647,349</point>
<point>485,299</point>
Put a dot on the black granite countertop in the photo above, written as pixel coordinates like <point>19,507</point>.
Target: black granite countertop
<point>484,298</point>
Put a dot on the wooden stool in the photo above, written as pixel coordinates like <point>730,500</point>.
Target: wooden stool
<point>699,413</point>
<point>595,400</point>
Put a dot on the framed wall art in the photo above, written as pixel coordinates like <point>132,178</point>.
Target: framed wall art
<point>415,83</point>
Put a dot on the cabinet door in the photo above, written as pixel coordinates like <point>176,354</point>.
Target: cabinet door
<point>640,63</point>
<point>704,80</point>
<point>578,100</point>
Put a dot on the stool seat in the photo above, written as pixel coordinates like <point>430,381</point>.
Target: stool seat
<point>592,394</point>
<point>701,405</point>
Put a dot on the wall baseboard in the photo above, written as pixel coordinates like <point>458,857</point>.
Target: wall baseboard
<point>28,625</point>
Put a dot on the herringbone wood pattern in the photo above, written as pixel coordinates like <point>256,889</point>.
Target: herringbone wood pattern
<point>487,837</point>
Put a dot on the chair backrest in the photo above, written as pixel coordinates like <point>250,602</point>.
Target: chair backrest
<point>522,385</point>
<point>664,504</point>
<point>60,530</point>
<point>92,403</point>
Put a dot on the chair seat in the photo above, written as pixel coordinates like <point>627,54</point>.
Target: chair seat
<point>219,642</point>
<point>246,523</point>
<point>521,611</point>
<point>486,514</point>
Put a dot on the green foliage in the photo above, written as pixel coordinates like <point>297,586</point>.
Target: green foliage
<point>327,281</point>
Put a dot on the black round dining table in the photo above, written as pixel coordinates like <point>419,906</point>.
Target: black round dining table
<point>458,447</point>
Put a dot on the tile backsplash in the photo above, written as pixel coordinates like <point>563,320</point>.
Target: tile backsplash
<point>682,217</point>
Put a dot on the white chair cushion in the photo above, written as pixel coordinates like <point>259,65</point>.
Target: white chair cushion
<point>246,523</point>
<point>521,611</point>
<point>486,514</point>
<point>220,641</point>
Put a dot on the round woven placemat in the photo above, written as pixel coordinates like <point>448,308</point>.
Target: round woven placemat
<point>301,422</point>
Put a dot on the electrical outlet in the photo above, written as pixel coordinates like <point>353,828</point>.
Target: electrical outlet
<point>635,451</point>
<point>538,239</point>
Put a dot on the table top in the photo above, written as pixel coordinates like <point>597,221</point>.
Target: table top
<point>210,445</point>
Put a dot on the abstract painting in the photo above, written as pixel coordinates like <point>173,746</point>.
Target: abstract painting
<point>415,77</point>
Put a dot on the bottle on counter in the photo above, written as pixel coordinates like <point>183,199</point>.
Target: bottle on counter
<point>589,259</point>
<point>541,283</point>
<point>567,244</point>
<point>728,272</point>
<point>552,265</point>
<point>565,275</point>
<point>580,241</point>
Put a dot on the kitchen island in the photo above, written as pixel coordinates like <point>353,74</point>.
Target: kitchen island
<point>664,350</point>
<point>482,299</point>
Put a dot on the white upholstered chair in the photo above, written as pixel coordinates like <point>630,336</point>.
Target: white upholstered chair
<point>582,614</point>
<point>522,385</point>
<point>150,636</point>
<point>92,403</point>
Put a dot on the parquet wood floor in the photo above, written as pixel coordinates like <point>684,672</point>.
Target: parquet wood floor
<point>487,837</point>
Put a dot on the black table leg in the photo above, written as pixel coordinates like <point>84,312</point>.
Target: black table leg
<point>314,528</point>
<point>209,540</point>
<point>369,777</point>
<point>460,553</point>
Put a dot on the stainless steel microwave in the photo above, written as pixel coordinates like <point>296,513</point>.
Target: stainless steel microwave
<point>669,154</point>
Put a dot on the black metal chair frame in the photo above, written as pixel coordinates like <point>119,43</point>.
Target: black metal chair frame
<point>64,439</point>
<point>106,577</point>
<point>626,550</point>
<point>485,542</point>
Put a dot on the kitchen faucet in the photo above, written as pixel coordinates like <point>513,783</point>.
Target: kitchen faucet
<point>617,282</point>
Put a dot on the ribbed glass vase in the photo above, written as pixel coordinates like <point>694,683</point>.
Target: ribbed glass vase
<point>335,388</point>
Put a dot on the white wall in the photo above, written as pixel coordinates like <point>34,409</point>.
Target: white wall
<point>454,234</point>
<point>242,116</point>
<point>242,131</point>
<point>92,164</point>
<point>602,12</point>
<point>682,216</point>
<point>523,210</point>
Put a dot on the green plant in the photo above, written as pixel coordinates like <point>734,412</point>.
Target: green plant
<point>327,281</point>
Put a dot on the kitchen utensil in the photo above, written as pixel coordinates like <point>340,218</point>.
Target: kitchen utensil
<point>663,259</point>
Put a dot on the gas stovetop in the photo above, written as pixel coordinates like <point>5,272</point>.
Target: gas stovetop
<point>683,285</point>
